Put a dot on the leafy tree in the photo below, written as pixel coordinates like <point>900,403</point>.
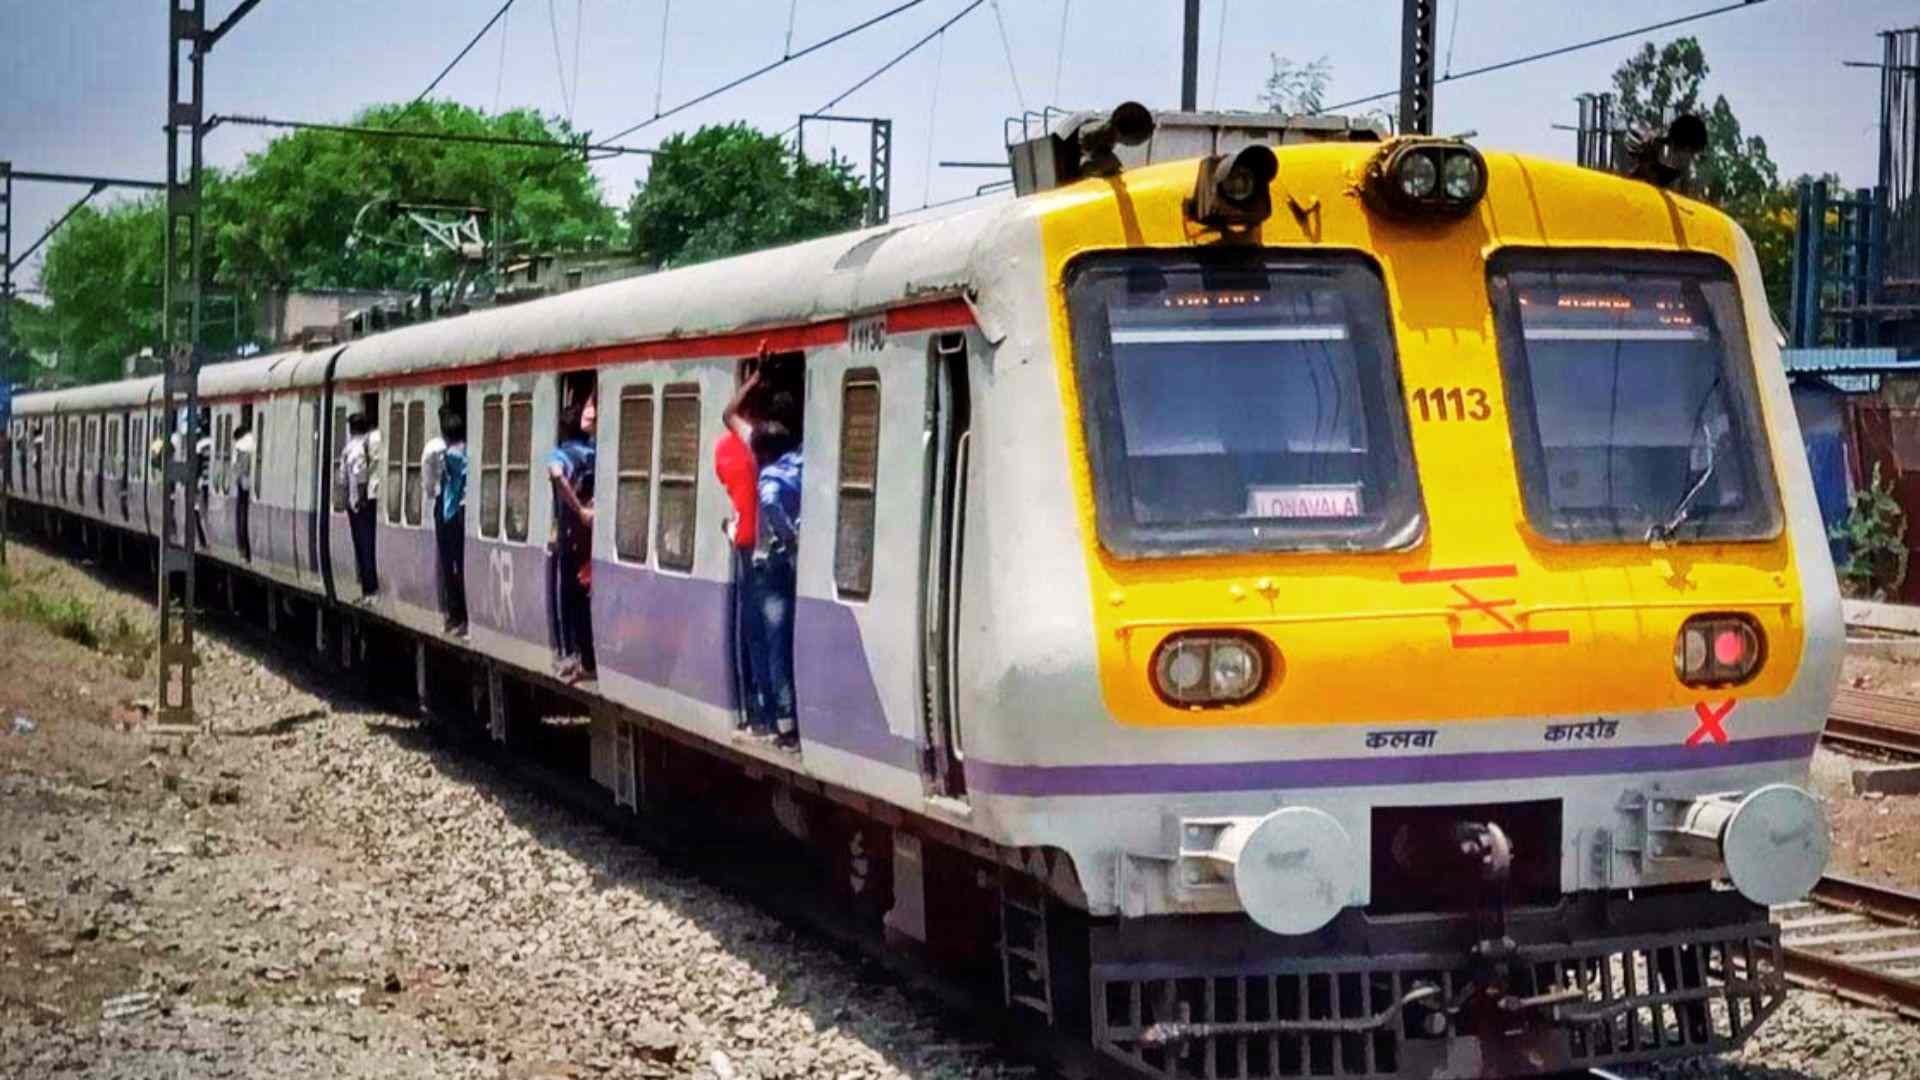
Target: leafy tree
<point>283,219</point>
<point>729,189</point>
<point>1735,172</point>
<point>1295,89</point>
<point>287,216</point>
<point>103,271</point>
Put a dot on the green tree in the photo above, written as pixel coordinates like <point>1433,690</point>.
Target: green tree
<point>286,217</point>
<point>283,219</point>
<point>1295,89</point>
<point>103,271</point>
<point>729,189</point>
<point>1735,172</point>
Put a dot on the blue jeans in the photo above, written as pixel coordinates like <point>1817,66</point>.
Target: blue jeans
<point>746,643</point>
<point>773,591</point>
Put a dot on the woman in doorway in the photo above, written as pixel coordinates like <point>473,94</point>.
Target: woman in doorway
<point>571,469</point>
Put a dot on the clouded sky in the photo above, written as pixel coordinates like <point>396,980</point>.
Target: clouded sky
<point>83,82</point>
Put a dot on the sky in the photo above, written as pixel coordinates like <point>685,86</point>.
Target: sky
<point>83,82</point>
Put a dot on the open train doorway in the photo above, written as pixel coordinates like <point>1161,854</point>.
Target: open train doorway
<point>950,441</point>
<point>571,473</point>
<point>764,443</point>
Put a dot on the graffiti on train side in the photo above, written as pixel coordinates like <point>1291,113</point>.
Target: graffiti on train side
<point>500,595</point>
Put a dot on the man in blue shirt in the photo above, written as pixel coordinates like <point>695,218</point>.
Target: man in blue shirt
<point>570,561</point>
<point>450,520</point>
<point>778,447</point>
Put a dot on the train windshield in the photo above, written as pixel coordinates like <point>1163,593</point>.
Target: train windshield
<point>1632,398</point>
<point>1241,402</point>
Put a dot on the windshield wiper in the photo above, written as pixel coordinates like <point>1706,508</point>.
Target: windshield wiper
<point>1661,532</point>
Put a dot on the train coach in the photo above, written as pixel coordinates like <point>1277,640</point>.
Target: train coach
<point>1334,605</point>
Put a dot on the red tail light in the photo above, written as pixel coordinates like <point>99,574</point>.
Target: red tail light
<point>1718,650</point>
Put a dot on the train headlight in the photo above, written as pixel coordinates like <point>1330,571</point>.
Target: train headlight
<point>1718,650</point>
<point>1231,190</point>
<point>1425,178</point>
<point>1197,670</point>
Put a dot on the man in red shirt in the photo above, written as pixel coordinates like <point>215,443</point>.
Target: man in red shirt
<point>739,474</point>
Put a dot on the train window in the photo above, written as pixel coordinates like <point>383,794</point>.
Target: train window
<point>394,443</point>
<point>635,475</point>
<point>222,452</point>
<point>416,449</point>
<point>338,494</point>
<point>1242,401</point>
<point>859,467</point>
<point>519,471</point>
<point>137,445</point>
<point>492,434</point>
<point>1631,397</point>
<point>679,474</point>
<point>113,448</point>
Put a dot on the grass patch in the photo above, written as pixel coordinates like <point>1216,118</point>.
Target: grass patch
<point>73,619</point>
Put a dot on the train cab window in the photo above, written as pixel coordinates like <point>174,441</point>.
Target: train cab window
<point>859,468</point>
<point>1241,401</point>
<point>1631,397</point>
<point>416,449</point>
<point>634,474</point>
<point>679,474</point>
<point>518,503</point>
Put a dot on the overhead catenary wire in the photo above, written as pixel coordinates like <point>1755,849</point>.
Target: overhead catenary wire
<point>559,66</point>
<point>933,114</point>
<point>604,149</point>
<point>793,12</point>
<point>1060,54</point>
<point>1219,50</point>
<point>660,80</point>
<point>579,20</point>
<point>462,54</point>
<point>500,74</point>
<point>1453,35</point>
<point>659,115</point>
<point>902,55</point>
<point>1006,45</point>
<point>1551,53</point>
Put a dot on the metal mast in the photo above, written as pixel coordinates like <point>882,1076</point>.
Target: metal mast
<point>188,43</point>
<point>1190,59</point>
<point>1418,22</point>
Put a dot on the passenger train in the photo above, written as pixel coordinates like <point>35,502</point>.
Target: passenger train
<point>1301,602</point>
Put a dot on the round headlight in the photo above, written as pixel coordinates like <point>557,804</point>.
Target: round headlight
<point>1182,669</point>
<point>1238,185</point>
<point>1418,175</point>
<point>1235,670</point>
<point>1460,177</point>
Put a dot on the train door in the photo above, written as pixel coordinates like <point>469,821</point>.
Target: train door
<point>949,440</point>
<point>303,499</point>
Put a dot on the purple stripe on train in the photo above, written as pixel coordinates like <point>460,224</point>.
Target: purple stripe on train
<point>1157,779</point>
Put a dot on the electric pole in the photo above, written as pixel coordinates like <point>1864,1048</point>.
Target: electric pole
<point>1418,19</point>
<point>181,321</point>
<point>1190,59</point>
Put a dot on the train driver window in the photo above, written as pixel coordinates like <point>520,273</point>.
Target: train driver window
<point>859,469</point>
<point>634,465</point>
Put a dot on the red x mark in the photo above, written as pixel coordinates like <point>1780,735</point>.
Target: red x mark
<point>1710,718</point>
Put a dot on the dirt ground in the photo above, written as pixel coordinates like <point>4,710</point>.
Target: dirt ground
<point>1875,838</point>
<point>322,890</point>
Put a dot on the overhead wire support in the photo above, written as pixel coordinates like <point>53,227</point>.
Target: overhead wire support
<point>584,147</point>
<point>1551,53</point>
<point>902,55</point>
<point>764,69</point>
<point>98,187</point>
<point>462,54</point>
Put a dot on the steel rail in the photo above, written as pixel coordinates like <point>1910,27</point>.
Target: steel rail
<point>1880,723</point>
<point>1857,982</point>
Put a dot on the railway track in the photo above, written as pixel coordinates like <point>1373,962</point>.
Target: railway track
<point>1857,941</point>
<point>1860,720</point>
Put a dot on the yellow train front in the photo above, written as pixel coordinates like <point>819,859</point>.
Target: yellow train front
<point>1419,653</point>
